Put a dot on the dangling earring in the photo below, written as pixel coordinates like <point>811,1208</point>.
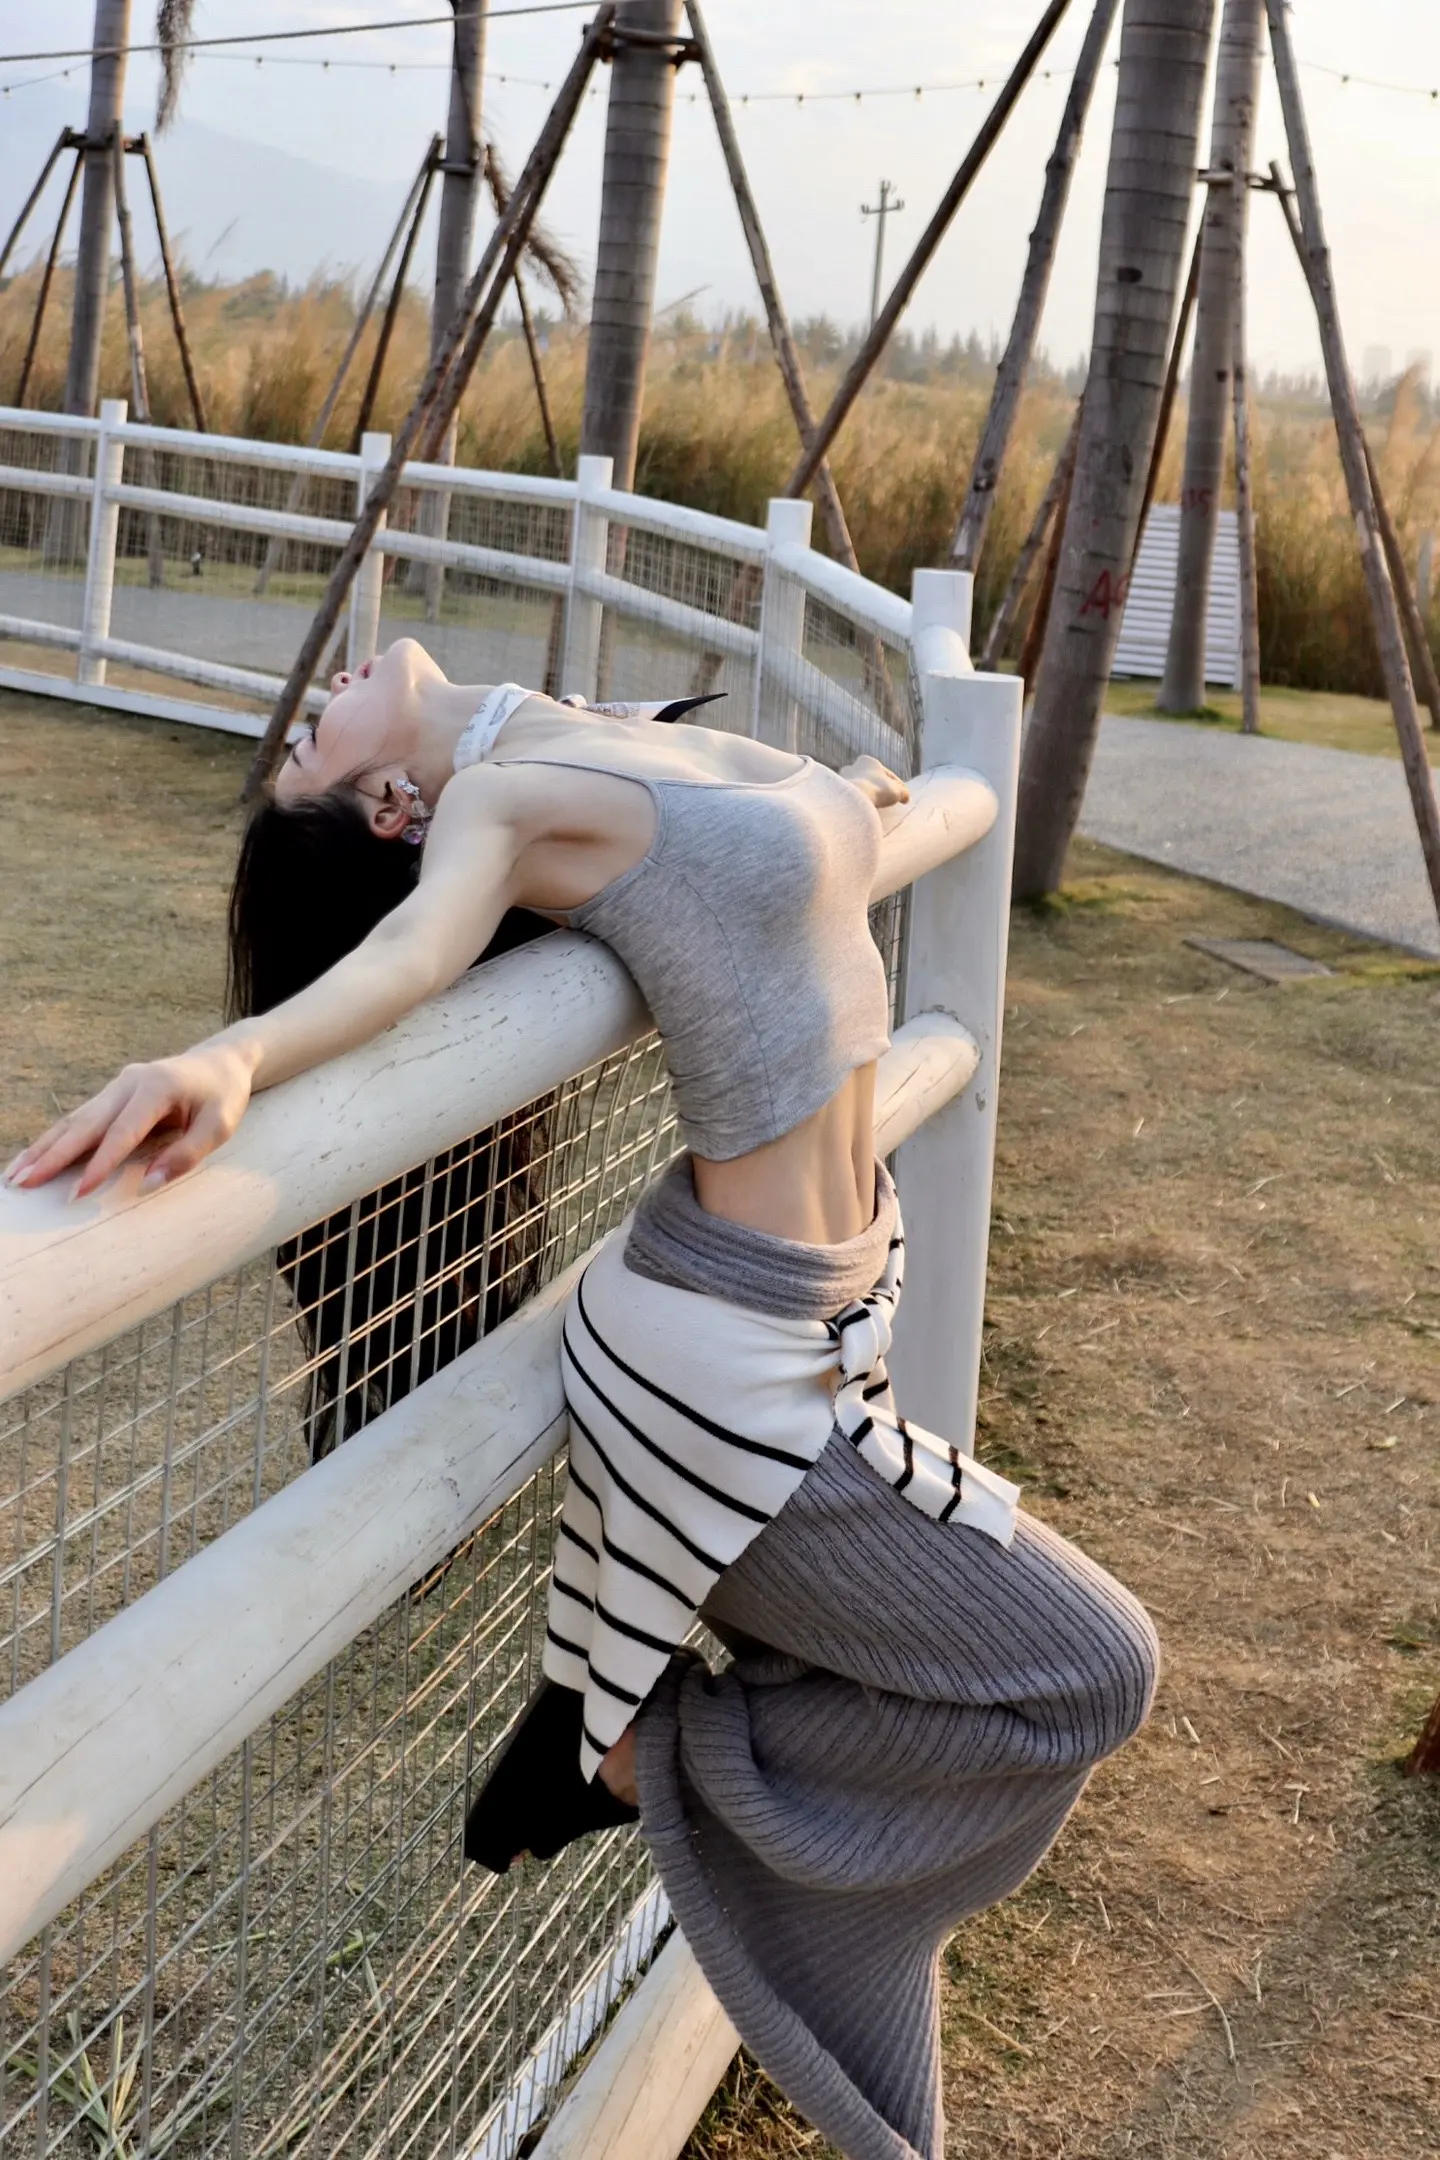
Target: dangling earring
<point>420,814</point>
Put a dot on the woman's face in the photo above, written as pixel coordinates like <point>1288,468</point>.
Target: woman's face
<point>369,725</point>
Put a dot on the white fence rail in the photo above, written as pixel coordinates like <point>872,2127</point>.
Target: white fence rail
<point>229,1789</point>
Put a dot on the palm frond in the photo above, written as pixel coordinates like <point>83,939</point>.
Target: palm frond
<point>173,22</point>
<point>558,268</point>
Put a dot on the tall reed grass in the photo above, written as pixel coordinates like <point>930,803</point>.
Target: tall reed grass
<point>717,434</point>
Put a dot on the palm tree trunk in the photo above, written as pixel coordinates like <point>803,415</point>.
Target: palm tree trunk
<point>1015,364</point>
<point>1163,51</point>
<point>1237,85</point>
<point>97,205</point>
<point>632,198</point>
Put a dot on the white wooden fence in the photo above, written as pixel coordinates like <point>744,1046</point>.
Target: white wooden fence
<point>173,1728</point>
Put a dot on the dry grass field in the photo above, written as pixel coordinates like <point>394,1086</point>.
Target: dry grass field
<point>1213,1355</point>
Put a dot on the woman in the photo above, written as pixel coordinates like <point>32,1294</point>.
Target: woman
<point>923,1676</point>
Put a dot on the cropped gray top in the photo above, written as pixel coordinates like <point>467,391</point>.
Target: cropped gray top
<point>745,926</point>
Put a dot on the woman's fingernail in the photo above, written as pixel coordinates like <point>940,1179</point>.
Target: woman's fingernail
<point>152,1178</point>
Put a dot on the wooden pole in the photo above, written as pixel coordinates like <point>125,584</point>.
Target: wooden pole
<point>782,338</point>
<point>417,203</point>
<point>47,278</point>
<point>1030,651</point>
<point>1245,509</point>
<point>1417,642</point>
<point>65,140</point>
<point>1014,366</point>
<point>1009,607</point>
<point>858,372</point>
<point>443,386</point>
<point>139,386</point>
<point>172,288</point>
<point>275,550</point>
<point>1388,632</point>
<point>537,370</point>
<point>1168,393</point>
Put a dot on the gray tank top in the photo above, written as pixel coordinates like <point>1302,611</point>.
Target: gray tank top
<point>746,927</point>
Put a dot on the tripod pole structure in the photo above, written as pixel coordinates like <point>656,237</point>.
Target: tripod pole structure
<point>782,338</point>
<point>444,384</point>
<point>65,140</point>
<point>1014,365</point>
<point>537,372</point>
<point>275,550</point>
<point>1417,641</point>
<point>1245,513</point>
<point>417,203</point>
<point>47,278</point>
<point>1055,486</point>
<point>1167,395</point>
<point>859,370</point>
<point>172,287</point>
<point>139,386</point>
<point>1389,635</point>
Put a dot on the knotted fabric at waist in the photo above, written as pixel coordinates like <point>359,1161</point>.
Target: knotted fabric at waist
<point>693,1419</point>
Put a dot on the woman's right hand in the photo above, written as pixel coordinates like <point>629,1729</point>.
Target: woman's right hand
<point>200,1096</point>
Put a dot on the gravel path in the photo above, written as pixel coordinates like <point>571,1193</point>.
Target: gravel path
<point>1327,832</point>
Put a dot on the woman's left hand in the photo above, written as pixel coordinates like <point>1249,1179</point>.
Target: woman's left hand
<point>876,782</point>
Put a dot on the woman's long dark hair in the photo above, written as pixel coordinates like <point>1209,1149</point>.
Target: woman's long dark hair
<point>392,1288</point>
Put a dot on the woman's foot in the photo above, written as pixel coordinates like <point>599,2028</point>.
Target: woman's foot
<point>535,1799</point>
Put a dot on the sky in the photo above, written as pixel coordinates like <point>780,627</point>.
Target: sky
<point>811,163</point>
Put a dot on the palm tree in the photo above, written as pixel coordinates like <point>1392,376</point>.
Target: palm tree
<point>1232,135</point>
<point>1164,45</point>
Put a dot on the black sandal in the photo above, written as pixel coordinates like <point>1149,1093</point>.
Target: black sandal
<point>535,1799</point>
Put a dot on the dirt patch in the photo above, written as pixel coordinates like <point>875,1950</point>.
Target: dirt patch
<point>1213,1353</point>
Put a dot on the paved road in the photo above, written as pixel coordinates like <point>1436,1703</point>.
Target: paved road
<point>1328,832</point>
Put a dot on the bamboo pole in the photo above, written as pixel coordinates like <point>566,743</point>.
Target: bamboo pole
<point>1009,608</point>
<point>65,140</point>
<point>1389,634</point>
<point>860,368</point>
<point>782,338</point>
<point>47,277</point>
<point>537,370</point>
<point>444,382</point>
<point>1014,366</point>
<point>1245,510</point>
<point>417,203</point>
<point>172,287</point>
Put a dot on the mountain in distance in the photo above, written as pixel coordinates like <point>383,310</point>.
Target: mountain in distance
<point>233,208</point>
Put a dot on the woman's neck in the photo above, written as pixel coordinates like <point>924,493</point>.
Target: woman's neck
<point>444,711</point>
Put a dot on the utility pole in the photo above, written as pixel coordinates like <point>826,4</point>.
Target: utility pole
<point>97,205</point>
<point>646,48</point>
<point>879,211</point>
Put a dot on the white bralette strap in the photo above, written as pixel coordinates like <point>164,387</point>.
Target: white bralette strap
<point>478,740</point>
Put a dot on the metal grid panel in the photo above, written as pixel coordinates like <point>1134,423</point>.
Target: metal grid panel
<point>294,1959</point>
<point>44,538</point>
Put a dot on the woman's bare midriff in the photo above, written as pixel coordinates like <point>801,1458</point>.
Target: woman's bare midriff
<point>814,1185</point>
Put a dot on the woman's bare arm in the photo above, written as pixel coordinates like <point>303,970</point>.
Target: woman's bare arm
<point>466,885</point>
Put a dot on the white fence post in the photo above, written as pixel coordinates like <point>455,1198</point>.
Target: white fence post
<point>583,616</point>
<point>100,555</point>
<point>363,633</point>
<point>782,616</point>
<point>959,924</point>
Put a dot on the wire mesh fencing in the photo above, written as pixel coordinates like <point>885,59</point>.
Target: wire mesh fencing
<point>295,1959</point>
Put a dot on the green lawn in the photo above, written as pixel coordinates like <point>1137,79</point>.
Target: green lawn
<point>1329,717</point>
